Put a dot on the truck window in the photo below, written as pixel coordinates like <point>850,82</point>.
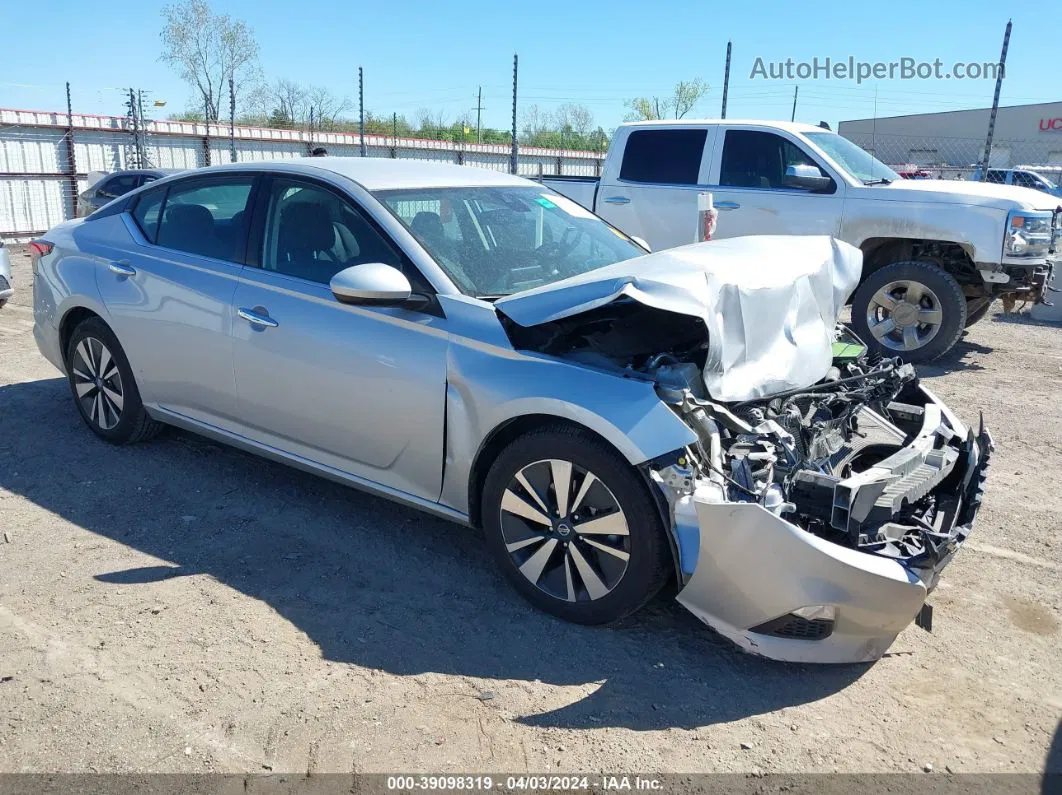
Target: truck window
<point>1025,179</point>
<point>753,159</point>
<point>663,156</point>
<point>997,176</point>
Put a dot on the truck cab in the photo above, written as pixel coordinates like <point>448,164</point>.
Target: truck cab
<point>936,253</point>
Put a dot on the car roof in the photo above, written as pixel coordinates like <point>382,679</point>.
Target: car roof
<point>381,173</point>
<point>790,126</point>
<point>161,171</point>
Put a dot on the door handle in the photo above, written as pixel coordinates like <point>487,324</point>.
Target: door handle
<point>257,319</point>
<point>727,205</point>
<point>617,200</point>
<point>122,268</point>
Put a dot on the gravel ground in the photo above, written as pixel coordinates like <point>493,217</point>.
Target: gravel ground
<point>178,606</point>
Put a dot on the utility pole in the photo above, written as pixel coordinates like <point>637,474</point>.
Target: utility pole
<point>71,165</point>
<point>514,153</point>
<point>479,115</point>
<point>796,91</point>
<point>232,119</point>
<point>726,81</point>
<point>995,102</point>
<point>361,110</point>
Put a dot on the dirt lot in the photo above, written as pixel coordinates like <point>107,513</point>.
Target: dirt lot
<point>178,606</point>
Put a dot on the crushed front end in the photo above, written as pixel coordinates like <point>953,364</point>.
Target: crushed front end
<point>812,524</point>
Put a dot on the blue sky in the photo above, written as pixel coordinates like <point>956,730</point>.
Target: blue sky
<point>435,54</point>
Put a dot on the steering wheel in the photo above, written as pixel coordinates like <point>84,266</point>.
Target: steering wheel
<point>559,249</point>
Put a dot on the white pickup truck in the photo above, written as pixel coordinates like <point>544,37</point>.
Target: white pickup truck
<point>935,253</point>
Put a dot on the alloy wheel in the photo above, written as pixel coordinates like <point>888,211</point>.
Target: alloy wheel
<point>98,383</point>
<point>565,531</point>
<point>904,315</point>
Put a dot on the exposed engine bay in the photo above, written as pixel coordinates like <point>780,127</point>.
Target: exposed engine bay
<point>829,457</point>
<point>855,459</point>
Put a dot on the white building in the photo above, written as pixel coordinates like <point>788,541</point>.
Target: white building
<point>1024,135</point>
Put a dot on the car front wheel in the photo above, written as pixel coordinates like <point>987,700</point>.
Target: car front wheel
<point>914,310</point>
<point>574,527</point>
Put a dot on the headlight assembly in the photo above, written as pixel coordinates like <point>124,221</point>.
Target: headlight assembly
<point>1028,234</point>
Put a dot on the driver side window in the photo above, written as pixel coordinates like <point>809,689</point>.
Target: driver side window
<point>313,234</point>
<point>754,159</point>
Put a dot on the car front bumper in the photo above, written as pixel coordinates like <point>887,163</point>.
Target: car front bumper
<point>755,576</point>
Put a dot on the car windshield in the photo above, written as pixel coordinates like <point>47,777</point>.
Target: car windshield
<point>495,241</point>
<point>859,163</point>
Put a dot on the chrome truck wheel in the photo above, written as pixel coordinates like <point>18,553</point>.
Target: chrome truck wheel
<point>573,526</point>
<point>904,315</point>
<point>915,310</point>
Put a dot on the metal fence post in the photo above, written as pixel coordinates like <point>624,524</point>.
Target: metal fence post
<point>995,103</point>
<point>361,110</point>
<point>71,164</point>
<point>394,134</point>
<point>514,152</point>
<point>206,132</point>
<point>232,120</point>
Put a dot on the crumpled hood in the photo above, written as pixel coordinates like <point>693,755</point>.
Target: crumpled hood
<point>770,304</point>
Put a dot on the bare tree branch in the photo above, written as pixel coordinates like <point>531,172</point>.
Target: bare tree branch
<point>206,49</point>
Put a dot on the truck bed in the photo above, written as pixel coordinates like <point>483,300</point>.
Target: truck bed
<point>579,189</point>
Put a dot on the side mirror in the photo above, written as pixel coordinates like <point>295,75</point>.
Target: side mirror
<point>806,177</point>
<point>641,242</point>
<point>371,283</point>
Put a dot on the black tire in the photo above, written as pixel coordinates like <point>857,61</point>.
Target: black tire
<point>648,564</point>
<point>937,283</point>
<point>978,314</point>
<point>122,424</point>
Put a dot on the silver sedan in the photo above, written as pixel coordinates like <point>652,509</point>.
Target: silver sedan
<point>477,346</point>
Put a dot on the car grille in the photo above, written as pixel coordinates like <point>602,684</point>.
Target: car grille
<point>797,628</point>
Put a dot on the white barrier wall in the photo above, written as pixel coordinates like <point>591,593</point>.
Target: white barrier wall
<point>39,179</point>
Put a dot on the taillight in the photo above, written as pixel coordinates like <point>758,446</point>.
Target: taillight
<point>38,249</point>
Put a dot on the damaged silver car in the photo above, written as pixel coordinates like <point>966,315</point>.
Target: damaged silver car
<point>477,346</point>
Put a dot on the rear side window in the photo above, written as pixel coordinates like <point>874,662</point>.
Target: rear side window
<point>147,210</point>
<point>207,217</point>
<point>994,175</point>
<point>663,156</point>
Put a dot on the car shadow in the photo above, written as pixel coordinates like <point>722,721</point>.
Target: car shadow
<point>956,359</point>
<point>373,583</point>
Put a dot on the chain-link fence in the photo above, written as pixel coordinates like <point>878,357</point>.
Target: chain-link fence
<point>48,159</point>
<point>941,157</point>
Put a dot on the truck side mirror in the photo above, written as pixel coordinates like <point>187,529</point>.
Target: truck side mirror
<point>806,177</point>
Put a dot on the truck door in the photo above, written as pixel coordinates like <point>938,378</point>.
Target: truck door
<point>757,190</point>
<point>651,192</point>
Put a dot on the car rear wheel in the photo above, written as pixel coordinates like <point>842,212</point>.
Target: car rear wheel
<point>914,310</point>
<point>574,527</point>
<point>103,386</point>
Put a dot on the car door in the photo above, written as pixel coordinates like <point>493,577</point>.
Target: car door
<point>359,389</point>
<point>169,291</point>
<point>755,196</point>
<point>654,194</point>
